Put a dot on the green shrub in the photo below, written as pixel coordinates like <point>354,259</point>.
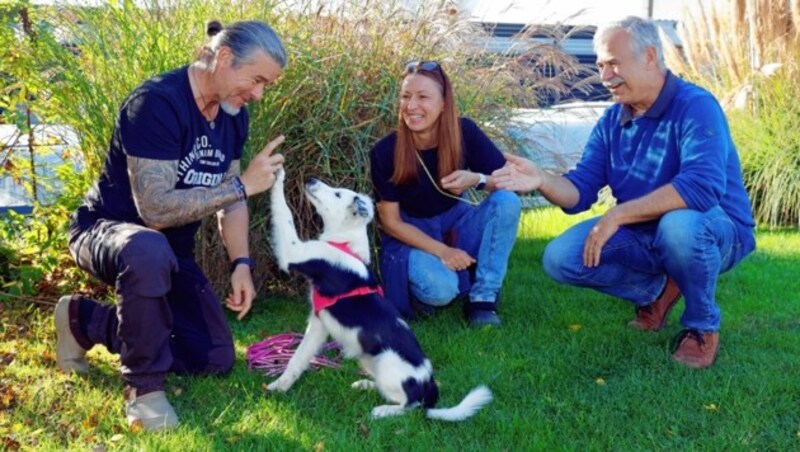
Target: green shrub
<point>769,138</point>
<point>734,51</point>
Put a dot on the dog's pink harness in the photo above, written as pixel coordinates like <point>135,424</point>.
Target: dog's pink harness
<point>321,301</point>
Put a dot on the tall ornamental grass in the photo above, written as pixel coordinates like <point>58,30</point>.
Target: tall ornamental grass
<point>337,97</point>
<point>746,53</point>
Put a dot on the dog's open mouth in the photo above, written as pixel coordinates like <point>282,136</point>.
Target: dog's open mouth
<point>310,194</point>
<point>310,188</point>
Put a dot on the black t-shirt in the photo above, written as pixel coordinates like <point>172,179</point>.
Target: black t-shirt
<point>420,199</point>
<point>160,120</point>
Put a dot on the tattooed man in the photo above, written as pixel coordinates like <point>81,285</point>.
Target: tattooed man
<point>173,160</point>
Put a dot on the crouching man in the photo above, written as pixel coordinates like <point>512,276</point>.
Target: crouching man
<point>682,215</point>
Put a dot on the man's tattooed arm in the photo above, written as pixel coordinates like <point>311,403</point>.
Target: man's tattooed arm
<point>162,206</point>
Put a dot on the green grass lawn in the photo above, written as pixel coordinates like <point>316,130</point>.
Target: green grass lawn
<point>566,372</point>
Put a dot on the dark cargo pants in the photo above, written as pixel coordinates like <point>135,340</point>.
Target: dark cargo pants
<point>167,316</point>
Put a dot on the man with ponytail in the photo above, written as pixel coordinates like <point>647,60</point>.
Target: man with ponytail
<point>173,160</point>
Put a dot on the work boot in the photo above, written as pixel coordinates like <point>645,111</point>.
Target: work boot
<point>70,356</point>
<point>695,349</point>
<point>152,411</point>
<point>653,316</point>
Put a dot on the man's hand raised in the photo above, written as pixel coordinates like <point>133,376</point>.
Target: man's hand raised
<point>260,173</point>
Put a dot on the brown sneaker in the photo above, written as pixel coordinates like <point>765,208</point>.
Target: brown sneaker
<point>695,349</point>
<point>653,317</point>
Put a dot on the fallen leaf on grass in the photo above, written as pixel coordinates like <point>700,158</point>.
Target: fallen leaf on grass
<point>7,397</point>
<point>363,429</point>
<point>116,438</point>
<point>48,357</point>
<point>136,426</point>
<point>711,407</point>
<point>319,447</point>
<point>600,382</point>
<point>91,422</point>
<point>6,358</point>
<point>9,443</point>
<point>575,327</point>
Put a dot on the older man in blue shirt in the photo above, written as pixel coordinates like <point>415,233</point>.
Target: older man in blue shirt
<point>682,215</point>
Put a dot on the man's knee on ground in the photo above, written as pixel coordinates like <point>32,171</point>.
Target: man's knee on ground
<point>221,359</point>
<point>146,264</point>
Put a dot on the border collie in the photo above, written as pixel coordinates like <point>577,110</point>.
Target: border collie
<point>348,304</point>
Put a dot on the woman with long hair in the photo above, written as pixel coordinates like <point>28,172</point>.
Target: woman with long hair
<point>436,244</point>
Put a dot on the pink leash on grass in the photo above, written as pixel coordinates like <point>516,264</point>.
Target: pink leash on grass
<point>272,355</point>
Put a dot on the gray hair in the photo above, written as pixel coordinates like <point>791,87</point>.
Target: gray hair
<point>643,34</point>
<point>244,38</point>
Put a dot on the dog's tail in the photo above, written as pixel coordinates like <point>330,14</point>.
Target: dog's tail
<point>474,401</point>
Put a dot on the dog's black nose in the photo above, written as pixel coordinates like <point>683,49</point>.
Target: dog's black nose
<point>312,181</point>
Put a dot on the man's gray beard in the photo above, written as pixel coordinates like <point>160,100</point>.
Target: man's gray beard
<point>229,109</point>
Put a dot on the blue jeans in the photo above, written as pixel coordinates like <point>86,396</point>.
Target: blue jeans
<point>486,232</point>
<point>690,246</point>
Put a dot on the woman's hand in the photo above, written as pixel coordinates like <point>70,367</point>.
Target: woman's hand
<point>456,259</point>
<point>460,181</point>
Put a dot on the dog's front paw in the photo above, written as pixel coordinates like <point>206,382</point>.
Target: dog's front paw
<point>387,410</point>
<point>364,384</point>
<point>280,385</point>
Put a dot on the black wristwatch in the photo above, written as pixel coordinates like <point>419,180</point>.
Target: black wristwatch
<point>241,260</point>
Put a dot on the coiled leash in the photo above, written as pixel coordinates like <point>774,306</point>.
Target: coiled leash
<point>272,355</point>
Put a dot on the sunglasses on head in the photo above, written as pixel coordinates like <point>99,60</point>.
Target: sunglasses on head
<point>416,66</point>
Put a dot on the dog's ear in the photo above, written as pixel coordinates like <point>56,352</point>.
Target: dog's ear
<point>360,207</point>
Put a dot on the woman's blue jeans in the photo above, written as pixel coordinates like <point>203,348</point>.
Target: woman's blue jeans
<point>486,232</point>
<point>690,246</point>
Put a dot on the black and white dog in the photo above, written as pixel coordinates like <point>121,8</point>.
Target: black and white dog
<point>348,305</point>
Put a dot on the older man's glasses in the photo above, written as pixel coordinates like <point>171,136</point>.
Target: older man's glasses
<point>416,66</point>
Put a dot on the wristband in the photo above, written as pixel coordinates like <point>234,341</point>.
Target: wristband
<point>241,260</point>
<point>481,183</point>
<point>239,187</point>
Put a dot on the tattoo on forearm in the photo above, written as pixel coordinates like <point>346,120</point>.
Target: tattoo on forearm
<point>161,205</point>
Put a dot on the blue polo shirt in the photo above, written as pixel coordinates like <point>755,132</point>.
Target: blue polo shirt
<point>683,139</point>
